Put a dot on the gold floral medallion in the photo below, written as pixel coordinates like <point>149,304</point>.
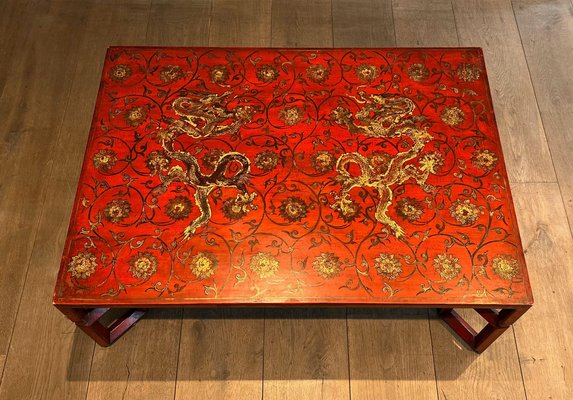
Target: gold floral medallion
<point>135,116</point>
<point>171,73</point>
<point>323,161</point>
<point>327,265</point>
<point>318,73</point>
<point>83,265</point>
<point>219,74</point>
<point>388,266</point>
<point>120,73</point>
<point>464,211</point>
<point>291,115</point>
<point>267,73</point>
<point>418,72</point>
<point>203,265</point>
<point>366,72</point>
<point>178,208</point>
<point>447,266</point>
<point>505,266</point>
<point>238,207</point>
<point>105,159</point>
<point>266,160</point>
<point>157,161</point>
<point>117,210</point>
<point>452,116</point>
<point>264,264</point>
<point>293,209</point>
<point>410,209</point>
<point>468,72</point>
<point>143,265</point>
<point>484,159</point>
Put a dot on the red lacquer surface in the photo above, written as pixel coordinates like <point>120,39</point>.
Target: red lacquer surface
<point>345,176</point>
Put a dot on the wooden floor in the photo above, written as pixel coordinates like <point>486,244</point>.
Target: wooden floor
<point>51,55</point>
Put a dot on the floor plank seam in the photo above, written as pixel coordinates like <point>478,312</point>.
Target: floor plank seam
<point>433,355</point>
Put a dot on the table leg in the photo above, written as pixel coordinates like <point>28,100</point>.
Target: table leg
<point>89,321</point>
<point>497,323</point>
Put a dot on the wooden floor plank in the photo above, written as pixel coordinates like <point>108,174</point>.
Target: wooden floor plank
<point>544,335</point>
<point>179,23</point>
<point>424,23</point>
<point>301,23</point>
<point>240,23</point>
<point>490,24</point>
<point>463,374</point>
<point>363,23</point>
<point>141,365</point>
<point>221,351</point>
<point>48,358</point>
<point>306,354</point>
<point>221,354</point>
<point>43,338</point>
<point>390,355</point>
<point>32,107</point>
<point>546,29</point>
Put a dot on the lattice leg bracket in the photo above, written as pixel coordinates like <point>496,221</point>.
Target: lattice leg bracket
<point>90,321</point>
<point>497,323</point>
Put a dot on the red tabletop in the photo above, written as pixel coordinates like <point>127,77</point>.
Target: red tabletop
<point>264,176</point>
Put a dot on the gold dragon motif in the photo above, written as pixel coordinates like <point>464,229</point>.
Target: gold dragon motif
<point>203,117</point>
<point>382,117</point>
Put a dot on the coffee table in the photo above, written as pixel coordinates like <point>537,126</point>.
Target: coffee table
<point>274,177</point>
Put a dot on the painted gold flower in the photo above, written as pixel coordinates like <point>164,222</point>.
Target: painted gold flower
<point>264,264</point>
<point>366,72</point>
<point>418,72</point>
<point>178,207</point>
<point>410,209</point>
<point>117,210</point>
<point>82,265</point>
<point>484,159</point>
<point>157,161</point>
<point>341,115</point>
<point>203,265</point>
<point>318,73</point>
<point>244,113</point>
<point>267,73</point>
<point>134,116</point>
<point>293,209</point>
<point>143,265</point>
<point>120,73</point>
<point>379,161</point>
<point>468,72</point>
<point>323,161</point>
<point>219,74</point>
<point>104,159</point>
<point>266,160</point>
<point>327,265</point>
<point>464,211</point>
<point>505,267</point>
<point>447,266</point>
<point>347,209</point>
<point>431,162</point>
<point>290,115</point>
<point>240,206</point>
<point>164,135</point>
<point>171,73</point>
<point>388,266</point>
<point>212,157</point>
<point>452,116</point>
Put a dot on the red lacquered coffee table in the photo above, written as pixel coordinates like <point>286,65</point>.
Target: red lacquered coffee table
<point>268,177</point>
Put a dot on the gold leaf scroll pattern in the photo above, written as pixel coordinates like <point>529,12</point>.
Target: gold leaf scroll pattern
<point>385,118</point>
<point>200,118</point>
